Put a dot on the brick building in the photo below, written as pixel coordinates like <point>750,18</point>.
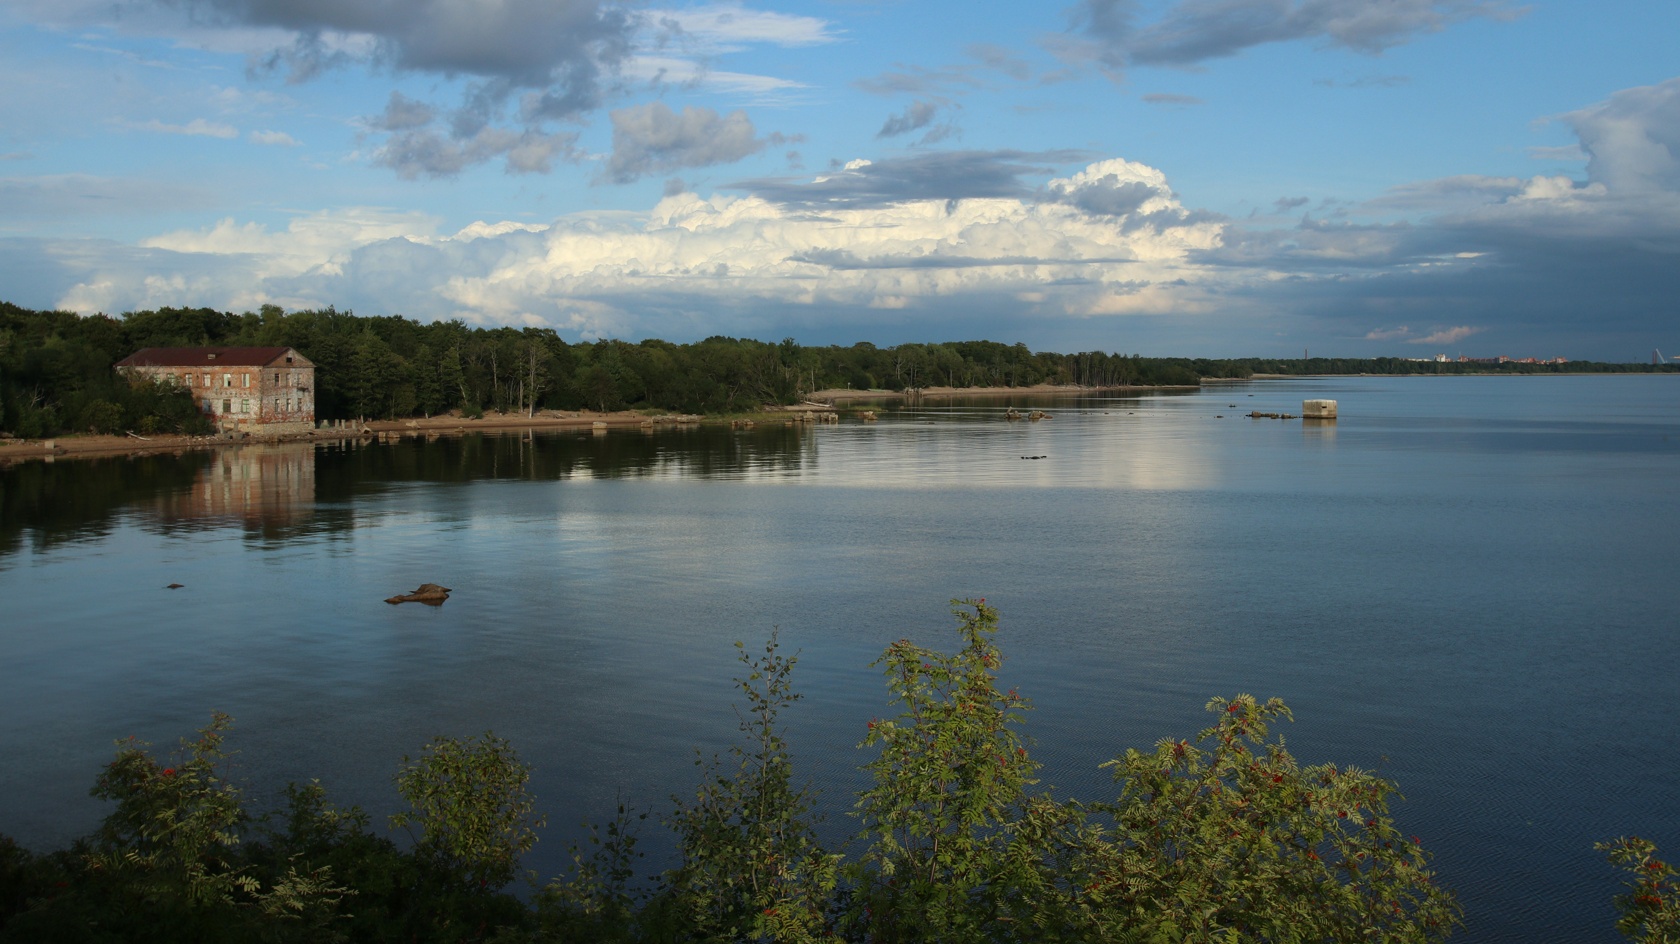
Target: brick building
<point>246,389</point>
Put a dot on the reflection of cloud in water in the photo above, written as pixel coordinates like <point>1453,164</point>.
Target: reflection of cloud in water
<point>1129,445</point>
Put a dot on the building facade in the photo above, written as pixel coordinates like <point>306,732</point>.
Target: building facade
<point>240,389</point>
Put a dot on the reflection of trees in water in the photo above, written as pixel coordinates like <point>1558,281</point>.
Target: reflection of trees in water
<point>45,504</point>
<point>705,452</point>
<point>284,491</point>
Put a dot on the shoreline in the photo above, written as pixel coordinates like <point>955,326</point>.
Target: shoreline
<point>88,446</point>
<point>92,446</point>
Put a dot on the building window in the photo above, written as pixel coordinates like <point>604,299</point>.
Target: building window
<point>247,379</point>
<point>227,406</point>
<point>244,406</point>
<point>227,380</point>
<point>206,380</point>
<point>206,406</point>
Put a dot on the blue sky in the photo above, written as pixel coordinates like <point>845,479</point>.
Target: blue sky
<point>1198,177</point>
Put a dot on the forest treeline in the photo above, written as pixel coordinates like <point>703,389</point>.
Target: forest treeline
<point>56,371</point>
<point>1223,837</point>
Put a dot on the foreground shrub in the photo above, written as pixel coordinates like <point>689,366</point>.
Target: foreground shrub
<point>1650,911</point>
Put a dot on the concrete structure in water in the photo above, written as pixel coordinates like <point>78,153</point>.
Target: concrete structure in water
<point>264,390</point>
<point>1318,409</point>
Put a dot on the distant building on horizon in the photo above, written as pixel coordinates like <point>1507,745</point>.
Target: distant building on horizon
<point>240,389</point>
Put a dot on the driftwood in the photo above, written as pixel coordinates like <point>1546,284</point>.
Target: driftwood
<point>428,593</point>
<point>141,438</point>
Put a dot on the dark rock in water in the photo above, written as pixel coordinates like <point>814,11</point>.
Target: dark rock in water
<point>175,586</point>
<point>428,593</point>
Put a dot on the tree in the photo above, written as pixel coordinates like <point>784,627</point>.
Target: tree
<point>1228,838</point>
<point>470,813</point>
<point>751,868</point>
<point>950,775</point>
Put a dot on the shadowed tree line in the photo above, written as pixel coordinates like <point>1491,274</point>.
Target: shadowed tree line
<point>1223,837</point>
<point>56,368</point>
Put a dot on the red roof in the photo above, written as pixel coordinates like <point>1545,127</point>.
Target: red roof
<point>214,357</point>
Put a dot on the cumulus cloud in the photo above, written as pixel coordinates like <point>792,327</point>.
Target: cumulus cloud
<point>1633,139</point>
<point>625,274</point>
<point>1194,31</point>
<point>651,138</point>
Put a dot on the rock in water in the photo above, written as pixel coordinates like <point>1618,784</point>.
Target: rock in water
<point>428,593</point>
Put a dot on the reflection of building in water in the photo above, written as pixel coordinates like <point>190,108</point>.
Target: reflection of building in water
<point>262,484</point>
<point>1314,429</point>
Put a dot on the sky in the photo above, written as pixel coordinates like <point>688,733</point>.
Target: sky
<point>1218,178</point>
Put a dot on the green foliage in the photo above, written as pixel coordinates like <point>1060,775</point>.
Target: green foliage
<point>176,823</point>
<point>1650,911</point>
<point>55,367</point>
<point>470,815</point>
<point>950,776</point>
<point>597,902</point>
<point>751,868</point>
<point>1229,837</point>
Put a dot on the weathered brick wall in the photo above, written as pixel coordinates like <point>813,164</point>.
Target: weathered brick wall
<point>248,398</point>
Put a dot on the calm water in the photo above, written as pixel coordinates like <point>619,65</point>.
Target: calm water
<point>1468,584</point>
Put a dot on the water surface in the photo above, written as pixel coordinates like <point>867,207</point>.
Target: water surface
<point>1465,583</point>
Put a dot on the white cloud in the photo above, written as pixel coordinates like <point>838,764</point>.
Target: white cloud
<point>274,138</point>
<point>198,127</point>
<point>1633,138</point>
<point>319,243</point>
<point>615,273</point>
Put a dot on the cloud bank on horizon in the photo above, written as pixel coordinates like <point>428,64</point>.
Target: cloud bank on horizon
<point>1204,177</point>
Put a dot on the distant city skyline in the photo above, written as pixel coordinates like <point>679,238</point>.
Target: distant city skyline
<point>1217,178</point>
